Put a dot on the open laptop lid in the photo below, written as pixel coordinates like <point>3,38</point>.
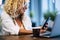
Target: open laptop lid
<point>56,26</point>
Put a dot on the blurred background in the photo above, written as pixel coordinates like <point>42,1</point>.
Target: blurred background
<point>39,9</point>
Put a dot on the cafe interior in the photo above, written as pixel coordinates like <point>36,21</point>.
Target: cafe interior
<point>38,11</point>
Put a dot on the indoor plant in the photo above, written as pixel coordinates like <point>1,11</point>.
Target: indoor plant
<point>50,14</point>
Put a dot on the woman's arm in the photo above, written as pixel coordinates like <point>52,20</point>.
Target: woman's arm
<point>23,31</point>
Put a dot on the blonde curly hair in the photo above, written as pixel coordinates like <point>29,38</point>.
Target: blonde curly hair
<point>11,5</point>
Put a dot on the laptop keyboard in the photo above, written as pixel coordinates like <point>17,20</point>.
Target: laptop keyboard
<point>45,34</point>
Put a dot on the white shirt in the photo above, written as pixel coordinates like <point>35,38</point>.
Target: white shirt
<point>0,2</point>
<point>8,27</point>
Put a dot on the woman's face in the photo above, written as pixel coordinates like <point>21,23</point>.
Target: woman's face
<point>21,9</point>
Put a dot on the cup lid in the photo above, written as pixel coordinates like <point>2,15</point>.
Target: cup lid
<point>36,27</point>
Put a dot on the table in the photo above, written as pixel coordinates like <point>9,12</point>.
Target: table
<point>26,37</point>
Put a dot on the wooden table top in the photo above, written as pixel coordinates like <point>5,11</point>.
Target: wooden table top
<point>26,37</point>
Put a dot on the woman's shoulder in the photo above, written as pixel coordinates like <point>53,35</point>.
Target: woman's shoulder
<point>3,12</point>
<point>4,15</point>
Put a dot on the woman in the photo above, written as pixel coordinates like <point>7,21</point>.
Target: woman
<point>11,23</point>
<point>14,21</point>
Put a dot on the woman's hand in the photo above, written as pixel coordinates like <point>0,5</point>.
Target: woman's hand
<point>43,30</point>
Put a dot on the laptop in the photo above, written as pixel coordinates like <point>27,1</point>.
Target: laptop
<point>55,29</point>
